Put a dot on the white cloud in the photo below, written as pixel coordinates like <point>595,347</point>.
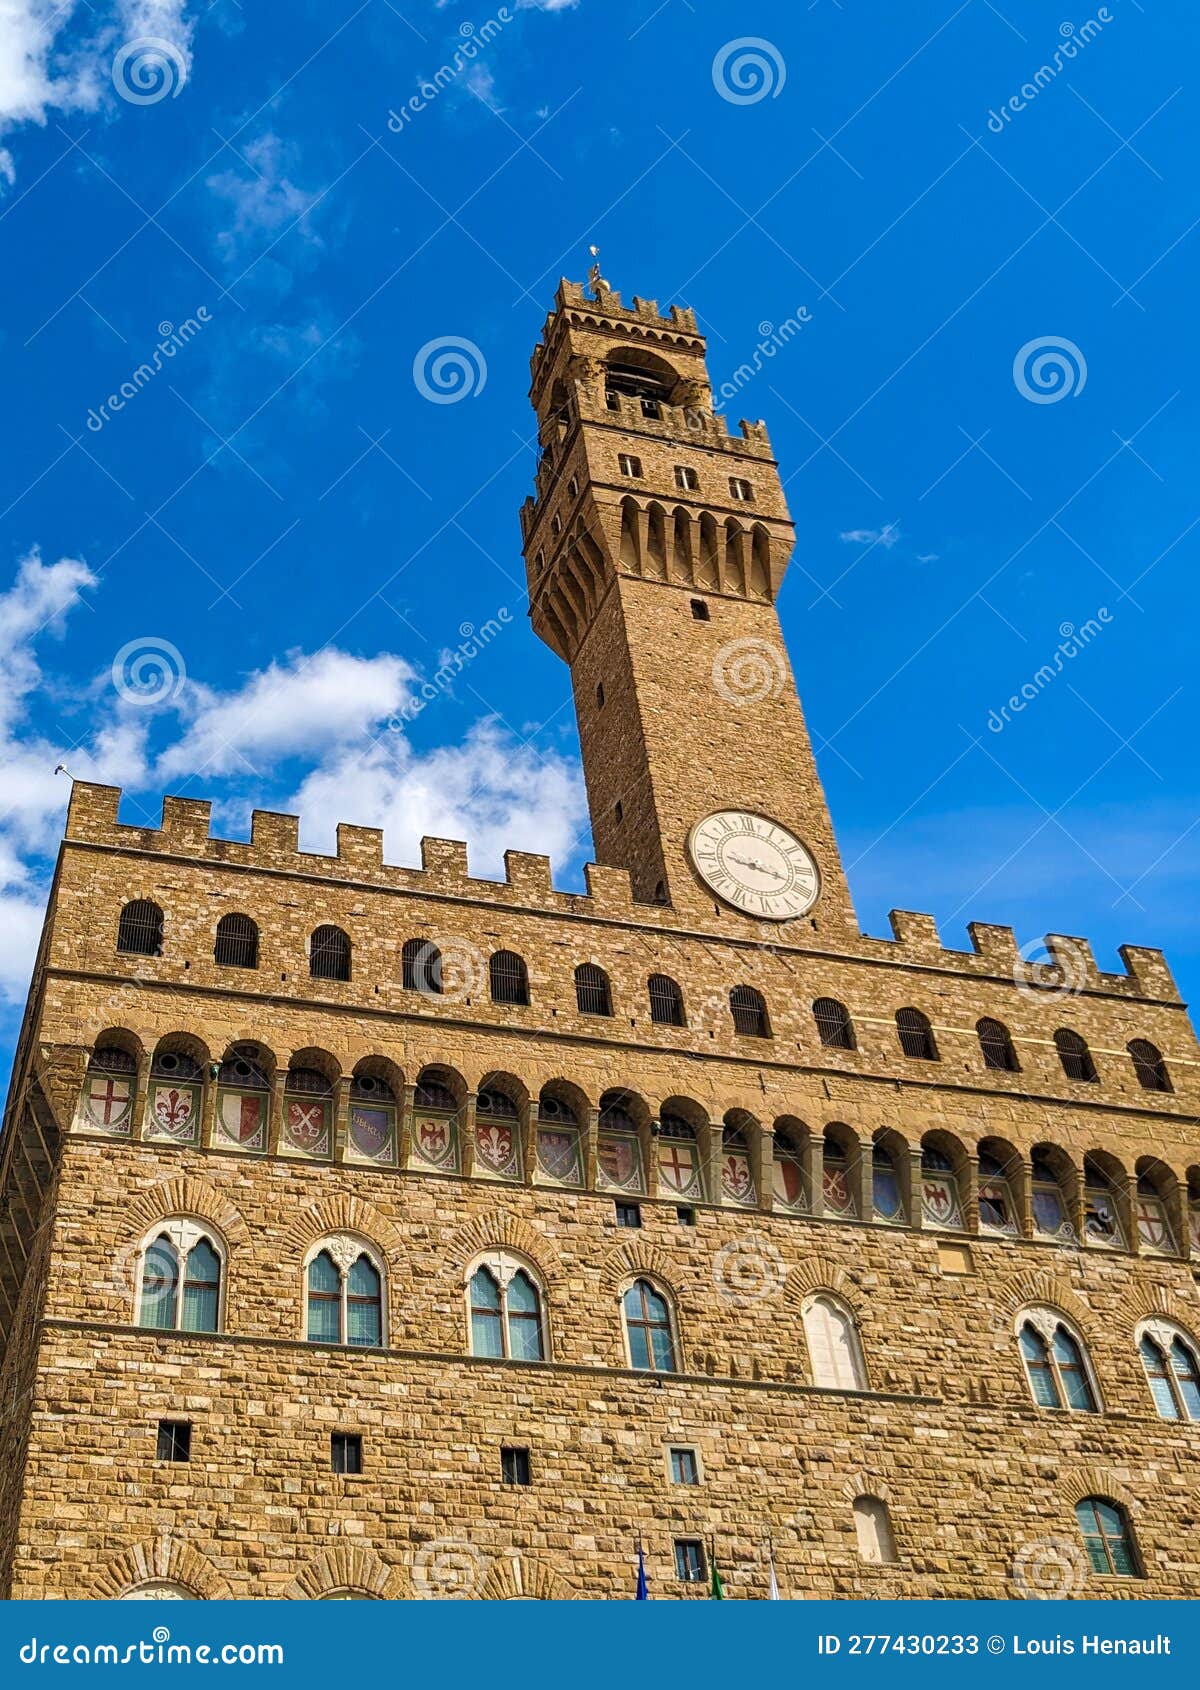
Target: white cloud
<point>887,536</point>
<point>482,84</point>
<point>306,707</point>
<point>56,55</point>
<point>263,199</point>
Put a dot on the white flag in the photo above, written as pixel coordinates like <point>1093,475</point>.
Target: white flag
<point>773,1591</point>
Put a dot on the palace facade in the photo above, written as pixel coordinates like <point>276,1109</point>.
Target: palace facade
<point>370,1231</point>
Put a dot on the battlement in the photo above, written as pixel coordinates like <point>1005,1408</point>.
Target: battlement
<point>274,847</point>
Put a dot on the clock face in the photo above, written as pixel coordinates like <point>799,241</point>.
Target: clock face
<point>755,865</point>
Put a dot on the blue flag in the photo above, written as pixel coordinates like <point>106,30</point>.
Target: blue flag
<point>643,1590</point>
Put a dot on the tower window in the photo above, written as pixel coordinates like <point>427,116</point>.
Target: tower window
<point>651,408</point>
<point>540,562</point>
<point>689,1560</point>
<point>749,1011</point>
<point>140,930</point>
<point>174,1440</point>
<point>619,811</point>
<point>997,1046</point>
<point>630,465</point>
<point>742,491</point>
<point>686,479</point>
<point>700,610</point>
<point>236,944</point>
<point>612,400</point>
<point>629,1216</point>
<point>556,524</point>
<point>345,1452</point>
<point>1149,1066</point>
<point>592,994</point>
<point>666,1001</point>
<point>508,978</point>
<point>834,1026</point>
<point>573,487</point>
<point>916,1035</point>
<point>1075,1056</point>
<point>685,1469</point>
<point>600,695</point>
<point>514,1467</point>
<point>329,954</point>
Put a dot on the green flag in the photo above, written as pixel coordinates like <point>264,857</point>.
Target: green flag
<point>716,1589</point>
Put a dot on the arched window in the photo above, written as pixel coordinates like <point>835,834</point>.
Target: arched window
<point>1107,1537</point>
<point>307,1112</point>
<point>1156,1236</point>
<point>749,1010</point>
<point>833,1347</point>
<point>836,1188</point>
<point>648,1329</point>
<point>329,954</point>
<point>1149,1066</point>
<point>1075,1056</point>
<point>158,1590</point>
<point>421,967</point>
<point>874,1530</point>
<point>236,944</point>
<point>140,929</point>
<point>174,1101</point>
<point>1101,1213</point>
<point>887,1198</point>
<point>916,1035</point>
<point>940,1202</point>
<point>106,1105</point>
<point>505,1305</point>
<point>1172,1372</point>
<point>180,1282</point>
<point>592,994</point>
<point>1055,1363</point>
<point>1049,1209</point>
<point>834,1026</point>
<point>666,1002</point>
<point>996,1044</point>
<point>508,978</point>
<point>997,1206</point>
<point>679,1169</point>
<point>344,1282</point>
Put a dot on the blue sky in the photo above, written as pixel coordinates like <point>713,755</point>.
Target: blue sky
<point>300,533</point>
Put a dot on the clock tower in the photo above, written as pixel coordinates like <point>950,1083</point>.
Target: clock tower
<point>655,547</point>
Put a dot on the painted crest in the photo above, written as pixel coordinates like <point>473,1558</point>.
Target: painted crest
<point>241,1117</point>
<point>435,1142</point>
<point>371,1132</point>
<point>308,1126</point>
<point>1152,1226</point>
<point>995,1210</point>
<point>558,1155</point>
<point>496,1147</point>
<point>939,1200</point>
<point>678,1166</point>
<point>173,1110</point>
<point>788,1182</point>
<point>736,1180</point>
<point>620,1163</point>
<point>835,1187</point>
<point>1194,1227</point>
<point>108,1101</point>
<point>885,1194</point>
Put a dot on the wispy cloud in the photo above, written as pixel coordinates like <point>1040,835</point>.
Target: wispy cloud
<point>887,536</point>
<point>261,198</point>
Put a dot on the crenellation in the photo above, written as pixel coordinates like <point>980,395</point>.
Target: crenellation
<point>360,849</point>
<point>275,835</point>
<point>185,824</point>
<point>447,859</point>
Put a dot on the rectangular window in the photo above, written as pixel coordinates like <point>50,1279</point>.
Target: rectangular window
<point>689,1560</point>
<point>514,1467</point>
<point>685,1469</point>
<point>686,478</point>
<point>345,1452</point>
<point>741,490</point>
<point>174,1440</point>
<point>628,1214</point>
<point>686,1217</point>
<point>630,465</point>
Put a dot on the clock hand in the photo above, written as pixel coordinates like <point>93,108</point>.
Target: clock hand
<point>761,868</point>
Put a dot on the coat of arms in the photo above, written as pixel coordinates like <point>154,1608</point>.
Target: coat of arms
<point>108,1102</point>
<point>495,1147</point>
<point>371,1132</point>
<point>174,1111</point>
<point>736,1180</point>
<point>241,1117</point>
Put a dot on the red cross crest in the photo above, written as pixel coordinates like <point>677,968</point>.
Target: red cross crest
<point>108,1101</point>
<point>677,1164</point>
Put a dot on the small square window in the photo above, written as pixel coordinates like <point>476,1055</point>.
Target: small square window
<point>651,408</point>
<point>514,1467</point>
<point>630,465</point>
<point>685,1469</point>
<point>686,1217</point>
<point>686,478</point>
<point>345,1452</point>
<point>689,1560</point>
<point>612,400</point>
<point>629,1214</point>
<point>174,1440</point>
<point>700,610</point>
<point>741,490</point>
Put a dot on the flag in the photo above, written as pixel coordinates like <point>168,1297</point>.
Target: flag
<point>773,1587</point>
<point>716,1589</point>
<point>643,1591</point>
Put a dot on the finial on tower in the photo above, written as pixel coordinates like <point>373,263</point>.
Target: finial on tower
<point>595,279</point>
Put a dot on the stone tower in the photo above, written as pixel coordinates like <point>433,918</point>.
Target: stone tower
<point>673,1211</point>
<point>655,547</point>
